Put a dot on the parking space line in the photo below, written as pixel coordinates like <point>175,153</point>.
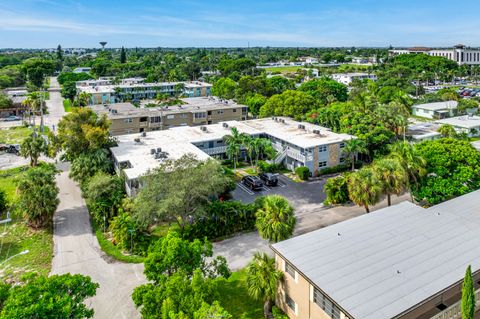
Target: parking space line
<point>248,191</point>
<point>265,188</point>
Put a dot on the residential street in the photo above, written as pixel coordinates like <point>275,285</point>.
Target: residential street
<point>54,104</point>
<point>76,251</point>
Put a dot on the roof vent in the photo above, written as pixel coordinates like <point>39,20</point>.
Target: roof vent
<point>301,126</point>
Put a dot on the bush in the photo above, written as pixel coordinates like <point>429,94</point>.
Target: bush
<point>221,219</point>
<point>334,169</point>
<point>3,201</point>
<point>126,231</point>
<point>336,190</point>
<point>278,314</point>
<point>269,167</point>
<point>302,172</point>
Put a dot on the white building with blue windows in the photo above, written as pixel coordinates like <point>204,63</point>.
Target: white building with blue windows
<point>297,144</point>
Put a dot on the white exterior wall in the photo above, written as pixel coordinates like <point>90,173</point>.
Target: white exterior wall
<point>422,112</point>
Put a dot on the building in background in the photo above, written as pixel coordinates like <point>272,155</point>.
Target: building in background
<point>82,70</point>
<point>297,144</point>
<point>126,118</point>
<point>347,78</point>
<point>468,124</point>
<point>105,91</point>
<point>459,53</point>
<point>403,261</point>
<point>436,110</point>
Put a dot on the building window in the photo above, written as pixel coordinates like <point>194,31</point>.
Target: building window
<point>342,145</point>
<point>143,119</point>
<point>289,269</point>
<point>170,117</point>
<point>200,115</point>
<point>289,301</point>
<point>322,148</point>
<point>234,110</point>
<point>129,120</point>
<point>155,119</point>
<point>328,306</point>
<point>322,164</point>
<point>220,112</point>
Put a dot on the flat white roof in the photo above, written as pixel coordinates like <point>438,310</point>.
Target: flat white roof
<point>437,106</point>
<point>178,141</point>
<point>462,121</point>
<point>382,264</point>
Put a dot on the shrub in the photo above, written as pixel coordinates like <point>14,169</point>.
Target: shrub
<point>278,313</point>
<point>302,172</point>
<point>3,201</point>
<point>269,167</point>
<point>221,219</point>
<point>334,169</point>
<point>126,231</point>
<point>336,190</point>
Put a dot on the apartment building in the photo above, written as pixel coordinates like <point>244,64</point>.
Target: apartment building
<point>105,91</point>
<point>126,118</point>
<point>347,78</point>
<point>468,124</point>
<point>403,261</point>
<point>435,110</point>
<point>297,144</point>
<point>459,53</point>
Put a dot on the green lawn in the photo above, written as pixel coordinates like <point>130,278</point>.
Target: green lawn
<point>15,135</point>
<point>284,69</point>
<point>17,237</point>
<point>234,298</point>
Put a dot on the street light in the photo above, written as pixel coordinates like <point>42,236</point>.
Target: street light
<point>19,254</point>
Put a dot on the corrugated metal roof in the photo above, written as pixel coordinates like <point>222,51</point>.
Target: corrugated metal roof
<point>381,264</point>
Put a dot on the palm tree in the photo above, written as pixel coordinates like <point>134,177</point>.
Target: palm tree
<point>34,103</point>
<point>413,164</point>
<point>248,144</point>
<point>275,219</point>
<point>353,147</point>
<point>33,146</point>
<point>262,281</point>
<point>234,143</point>
<point>261,147</point>
<point>364,188</point>
<point>392,175</point>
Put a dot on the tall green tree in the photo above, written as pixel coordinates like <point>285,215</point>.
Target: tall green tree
<point>38,195</point>
<point>34,146</point>
<point>364,188</point>
<point>447,130</point>
<point>275,219</point>
<point>234,142</point>
<point>55,297</point>
<point>412,162</point>
<point>179,190</point>
<point>352,148</point>
<point>90,163</point>
<point>336,190</point>
<point>468,295</point>
<point>123,56</point>
<point>392,176</point>
<point>82,131</point>
<point>37,69</point>
<point>262,281</point>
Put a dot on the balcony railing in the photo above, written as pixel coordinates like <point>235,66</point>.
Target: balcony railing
<point>455,310</point>
<point>215,150</point>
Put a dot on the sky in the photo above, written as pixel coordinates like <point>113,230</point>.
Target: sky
<point>226,23</point>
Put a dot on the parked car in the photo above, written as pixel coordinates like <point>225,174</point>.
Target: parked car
<point>12,118</point>
<point>269,179</point>
<point>13,149</point>
<point>252,182</point>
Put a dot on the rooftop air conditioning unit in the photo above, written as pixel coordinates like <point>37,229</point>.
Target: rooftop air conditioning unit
<point>301,126</point>
<point>144,134</point>
<point>153,151</point>
<point>136,140</point>
<point>203,128</point>
<point>316,132</point>
<point>225,125</point>
<point>159,149</point>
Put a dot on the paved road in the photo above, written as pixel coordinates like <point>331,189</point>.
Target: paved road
<point>54,104</point>
<point>76,251</point>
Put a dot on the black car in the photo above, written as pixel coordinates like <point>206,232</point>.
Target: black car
<point>252,182</point>
<point>269,179</point>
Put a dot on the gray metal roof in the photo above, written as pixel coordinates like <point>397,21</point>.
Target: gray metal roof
<point>388,261</point>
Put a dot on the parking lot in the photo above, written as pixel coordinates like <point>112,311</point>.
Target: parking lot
<point>302,196</point>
